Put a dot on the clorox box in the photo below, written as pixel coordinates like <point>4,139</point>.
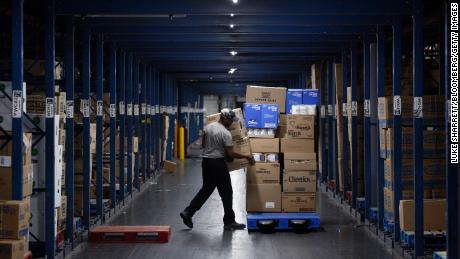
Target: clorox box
<point>269,116</point>
<point>293,97</point>
<point>253,115</point>
<point>310,96</point>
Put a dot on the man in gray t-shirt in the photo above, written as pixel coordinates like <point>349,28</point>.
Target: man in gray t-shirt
<point>217,147</point>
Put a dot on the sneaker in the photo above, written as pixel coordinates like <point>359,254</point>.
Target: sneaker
<point>234,226</point>
<point>187,219</point>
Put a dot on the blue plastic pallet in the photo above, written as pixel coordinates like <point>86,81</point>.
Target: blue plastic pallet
<point>440,255</point>
<point>282,220</point>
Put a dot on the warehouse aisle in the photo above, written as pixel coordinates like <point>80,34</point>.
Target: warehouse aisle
<point>162,202</point>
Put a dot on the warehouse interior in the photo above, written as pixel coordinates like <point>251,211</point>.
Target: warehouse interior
<point>107,100</point>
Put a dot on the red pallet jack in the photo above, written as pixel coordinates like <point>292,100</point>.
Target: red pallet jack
<point>130,234</point>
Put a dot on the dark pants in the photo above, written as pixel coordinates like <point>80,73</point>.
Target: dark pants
<point>215,174</point>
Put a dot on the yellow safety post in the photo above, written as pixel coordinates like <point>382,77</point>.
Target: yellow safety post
<point>182,143</point>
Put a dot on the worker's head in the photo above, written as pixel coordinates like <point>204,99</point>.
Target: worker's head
<point>227,117</point>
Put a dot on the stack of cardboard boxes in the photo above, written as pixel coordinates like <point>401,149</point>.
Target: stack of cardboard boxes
<point>14,214</point>
<point>434,147</point>
<point>297,133</point>
<point>284,176</point>
<point>264,177</point>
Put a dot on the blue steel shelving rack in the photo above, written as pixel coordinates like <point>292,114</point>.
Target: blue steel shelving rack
<point>156,83</point>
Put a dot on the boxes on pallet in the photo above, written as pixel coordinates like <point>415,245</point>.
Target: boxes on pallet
<point>300,126</point>
<point>289,145</point>
<point>261,145</point>
<point>263,198</point>
<point>434,218</point>
<point>14,217</point>
<point>298,202</point>
<point>241,146</point>
<point>263,173</point>
<point>299,181</point>
<point>300,161</point>
<point>13,249</point>
<point>267,95</point>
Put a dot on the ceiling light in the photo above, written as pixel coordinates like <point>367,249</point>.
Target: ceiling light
<point>235,1</point>
<point>232,14</point>
<point>233,53</point>
<point>232,70</point>
<point>232,26</point>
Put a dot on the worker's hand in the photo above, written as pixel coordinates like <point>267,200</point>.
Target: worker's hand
<point>251,160</point>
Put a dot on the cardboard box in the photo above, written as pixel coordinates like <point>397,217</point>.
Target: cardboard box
<point>263,198</point>
<point>13,249</point>
<point>267,95</point>
<point>310,96</point>
<point>300,126</point>
<point>315,76</point>
<point>298,202</point>
<point>293,97</point>
<point>241,146</point>
<point>261,116</point>
<point>299,181</point>
<point>212,118</point>
<point>434,217</point>
<point>289,145</point>
<point>263,173</point>
<point>7,149</point>
<point>304,109</point>
<point>253,113</point>
<point>262,145</point>
<point>14,219</point>
<point>300,161</point>
<point>6,182</point>
<point>170,166</point>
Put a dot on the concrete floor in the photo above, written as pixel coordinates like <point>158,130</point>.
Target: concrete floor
<point>161,203</point>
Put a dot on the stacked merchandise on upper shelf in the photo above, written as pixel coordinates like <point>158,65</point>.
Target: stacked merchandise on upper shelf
<point>433,155</point>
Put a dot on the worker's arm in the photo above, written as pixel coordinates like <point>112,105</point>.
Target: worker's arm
<point>229,152</point>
